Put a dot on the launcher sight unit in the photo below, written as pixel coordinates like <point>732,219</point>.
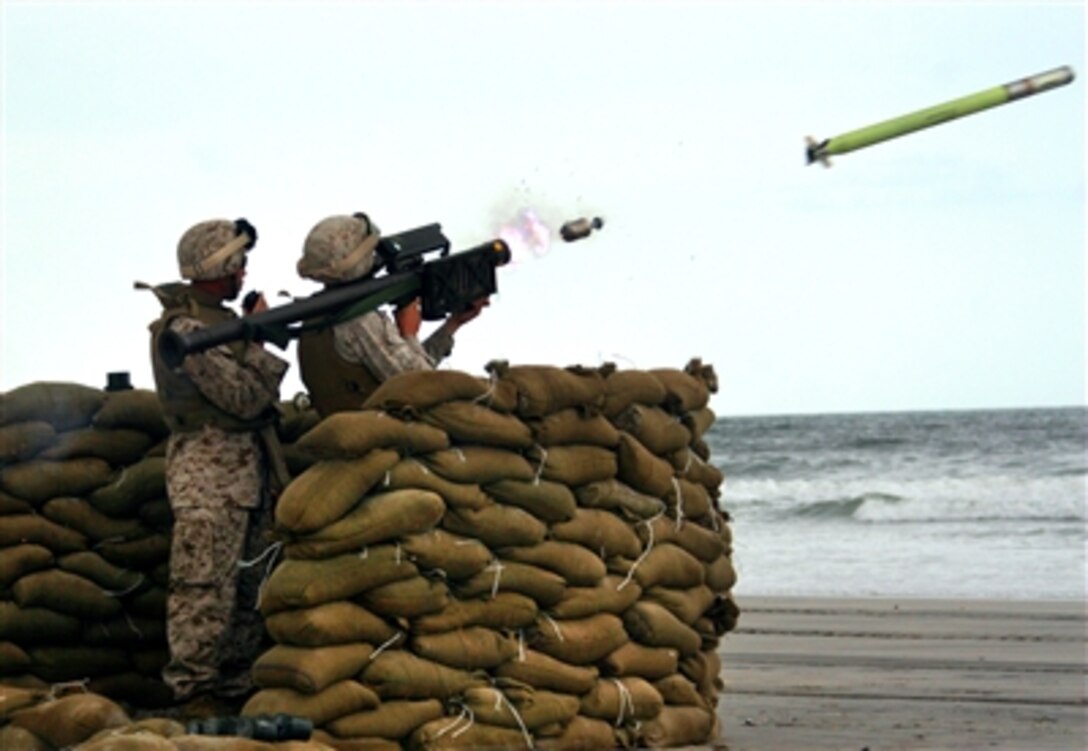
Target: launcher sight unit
<point>446,284</point>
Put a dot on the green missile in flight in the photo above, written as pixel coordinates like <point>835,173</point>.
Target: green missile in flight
<point>942,113</point>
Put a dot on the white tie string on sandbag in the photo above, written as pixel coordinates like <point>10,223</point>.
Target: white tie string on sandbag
<point>558,633</point>
<point>642,556</point>
<point>497,567</point>
<point>625,701</point>
<point>465,714</point>
<point>270,553</point>
<point>492,383</point>
<point>128,590</point>
<point>385,645</point>
<point>521,645</point>
<point>500,698</point>
<point>57,690</point>
<point>679,503</point>
<point>543,461</point>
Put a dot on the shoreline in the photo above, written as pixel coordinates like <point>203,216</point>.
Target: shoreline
<point>904,673</point>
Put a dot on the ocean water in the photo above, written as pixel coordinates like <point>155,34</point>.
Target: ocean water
<point>978,504</point>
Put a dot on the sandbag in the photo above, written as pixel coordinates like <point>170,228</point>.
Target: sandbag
<point>339,622</point>
<point>25,626</point>
<point>335,701</point>
<point>601,531</point>
<point>506,610</point>
<point>545,587</point>
<point>546,500</point>
<point>142,553</point>
<point>21,440</point>
<point>578,565</point>
<point>688,500</point>
<point>581,734</point>
<point>690,465</point>
<point>309,670</point>
<point>479,465</point>
<point>71,719</point>
<point>14,698</point>
<point>13,660</point>
<point>651,624</point>
<point>699,421</point>
<point>306,583</point>
<point>407,598</point>
<point>328,490</point>
<point>704,669</point>
<point>136,689</point>
<point>676,689</point>
<point>515,707</point>
<point>21,739</point>
<point>375,519</point>
<point>686,604</point>
<point>137,483</point>
<point>421,390</point>
<point>138,409</point>
<point>354,434</point>
<point>640,469</point>
<point>57,664</point>
<point>720,574</point>
<point>651,663</point>
<point>10,505</point>
<point>622,700</point>
<point>678,726</point>
<point>397,674</point>
<point>21,559</point>
<point>474,424</point>
<point>612,594</point>
<point>574,465</point>
<point>21,529</point>
<point>571,426</point>
<point>669,565</point>
<point>412,473</point>
<point>118,446</point>
<point>39,480</point>
<point>460,732</point>
<point>541,671</point>
<point>469,648</point>
<point>581,641</point>
<point>79,515</point>
<point>655,428</point>
<point>496,525</point>
<point>705,544</point>
<point>544,389</point>
<point>392,719</point>
<point>66,593</point>
<point>452,556</point>
<point>63,405</point>
<point>126,630</point>
<point>613,495</point>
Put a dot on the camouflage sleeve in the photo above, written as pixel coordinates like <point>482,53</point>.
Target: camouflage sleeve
<point>243,387</point>
<point>373,340</point>
<point>439,345</point>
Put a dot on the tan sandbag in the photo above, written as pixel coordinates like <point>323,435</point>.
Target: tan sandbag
<point>541,671</point>
<point>66,593</point>
<point>669,565</point>
<point>478,465</point>
<point>651,663</point>
<point>11,506</point>
<point>581,734</point>
<point>452,556</point>
<point>21,440</point>
<point>686,604</point>
<point>398,674</point>
<point>354,434</point>
<point>21,529</point>
<point>580,641</point>
<point>622,700</point>
<point>339,622</point>
<point>460,732</point>
<point>546,500</point>
<point>360,743</point>
<point>222,743</point>
<point>545,587</point>
<point>142,553</point>
<point>612,594</point>
<point>412,473</point>
<point>25,626</point>
<point>63,405</point>
<point>640,469</point>
<point>468,423</point>
<point>655,428</point>
<point>338,700</point>
<point>157,514</point>
<point>329,489</point>
<point>626,387</point>
<point>69,663</point>
<point>544,389</point>
<point>506,610</point>
<point>704,670</point>
<point>118,446</point>
<point>690,465</point>
<point>578,565</point>
<point>678,726</point>
<point>678,690</point>
<point>407,598</point>
<point>126,630</point>
<point>601,531</point>
<point>79,515</point>
<point>572,426</point>
<point>135,689</point>
<point>684,391</point>
<point>496,525</point>
<point>688,500</point>
<point>720,618</point>
<point>39,480</point>
<point>514,707</point>
<point>392,719</point>
<point>116,740</point>
<point>309,670</point>
<point>93,567</point>
<point>137,483</point>
<point>13,661</point>
<point>305,583</point>
<point>420,390</point>
<point>720,574</point>
<point>469,648</point>
<point>151,602</point>
<point>573,465</point>
<point>705,544</point>
<point>375,519</point>
<point>138,409</point>
<point>14,698</point>
<point>651,624</point>
<point>699,421</point>
<point>613,495</point>
<point>21,559</point>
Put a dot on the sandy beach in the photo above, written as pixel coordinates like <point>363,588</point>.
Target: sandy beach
<point>816,673</point>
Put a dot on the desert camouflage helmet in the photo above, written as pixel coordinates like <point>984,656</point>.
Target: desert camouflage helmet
<point>339,249</point>
<point>215,248</point>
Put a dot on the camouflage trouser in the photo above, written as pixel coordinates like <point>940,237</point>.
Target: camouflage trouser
<point>212,624</point>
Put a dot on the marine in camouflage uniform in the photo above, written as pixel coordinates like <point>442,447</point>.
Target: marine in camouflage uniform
<point>221,408</point>
<point>343,364</point>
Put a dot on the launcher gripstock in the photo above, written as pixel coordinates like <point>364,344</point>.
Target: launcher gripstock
<point>446,284</point>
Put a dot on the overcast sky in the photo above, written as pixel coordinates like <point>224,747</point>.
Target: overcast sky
<point>943,270</point>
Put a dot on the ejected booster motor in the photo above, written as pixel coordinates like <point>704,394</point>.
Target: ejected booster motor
<point>942,113</point>
<point>577,229</point>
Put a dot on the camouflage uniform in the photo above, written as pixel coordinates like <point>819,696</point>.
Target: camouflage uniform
<point>220,405</point>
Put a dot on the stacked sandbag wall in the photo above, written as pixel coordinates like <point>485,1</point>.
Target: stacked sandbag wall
<point>84,539</point>
<point>536,559</point>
